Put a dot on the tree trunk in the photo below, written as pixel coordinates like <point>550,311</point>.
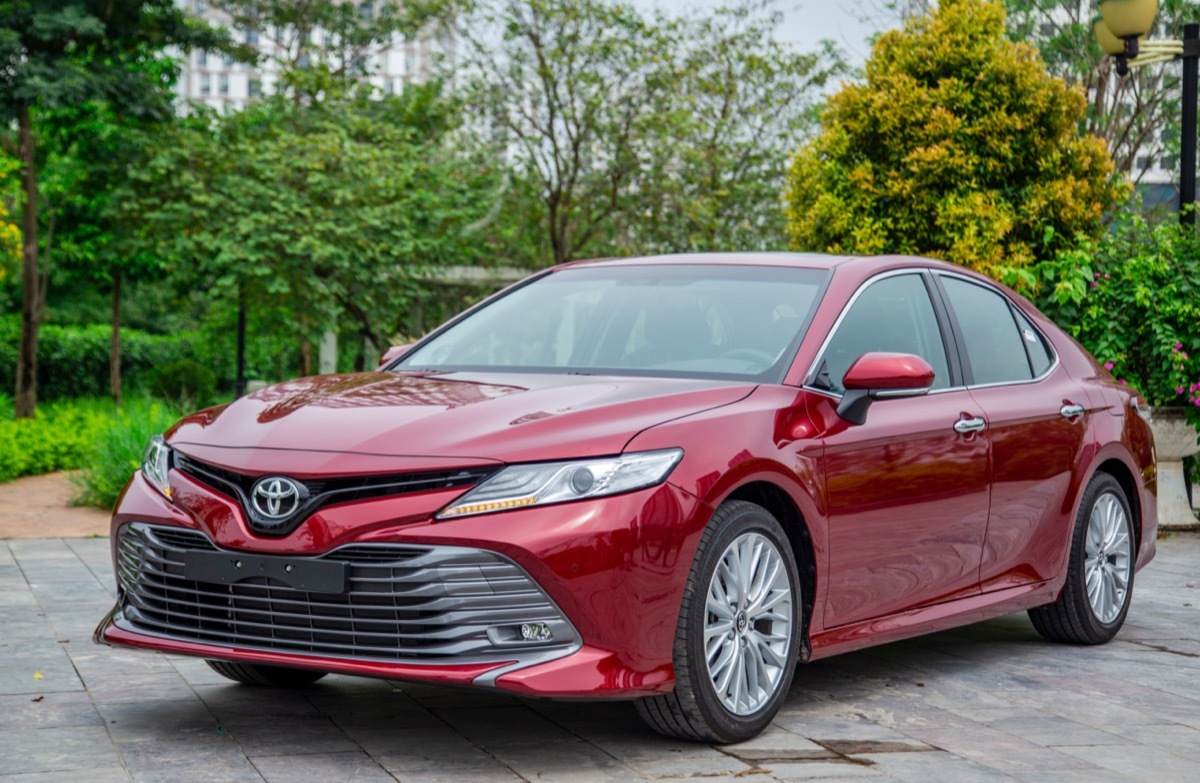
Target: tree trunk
<point>31,311</point>
<point>114,351</point>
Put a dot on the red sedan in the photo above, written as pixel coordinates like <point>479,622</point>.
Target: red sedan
<point>664,479</point>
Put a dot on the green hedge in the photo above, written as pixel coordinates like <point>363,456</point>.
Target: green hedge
<point>73,360</point>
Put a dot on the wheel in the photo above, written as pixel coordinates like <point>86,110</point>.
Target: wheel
<point>1095,598</point>
<point>266,676</point>
<point>736,642</point>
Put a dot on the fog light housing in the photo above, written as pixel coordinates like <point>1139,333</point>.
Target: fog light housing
<point>520,634</point>
<point>536,632</point>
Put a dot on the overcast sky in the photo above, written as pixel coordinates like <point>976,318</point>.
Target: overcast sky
<point>808,22</point>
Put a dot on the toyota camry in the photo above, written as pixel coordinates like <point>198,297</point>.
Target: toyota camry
<point>667,479</point>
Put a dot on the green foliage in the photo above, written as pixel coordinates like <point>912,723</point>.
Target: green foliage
<point>642,133</point>
<point>1132,298</point>
<point>958,145</point>
<point>1136,115</point>
<point>74,360</point>
<point>741,101</point>
<point>116,450</point>
<point>60,438</point>
<point>185,384</point>
<point>328,211</point>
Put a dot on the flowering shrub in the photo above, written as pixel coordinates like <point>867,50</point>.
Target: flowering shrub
<point>1132,298</point>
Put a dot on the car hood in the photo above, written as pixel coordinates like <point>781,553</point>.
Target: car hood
<point>457,416</point>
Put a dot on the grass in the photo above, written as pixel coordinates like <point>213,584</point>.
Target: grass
<point>94,435</point>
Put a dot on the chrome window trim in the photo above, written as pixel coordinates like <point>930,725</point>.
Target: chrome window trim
<point>1053,351</point>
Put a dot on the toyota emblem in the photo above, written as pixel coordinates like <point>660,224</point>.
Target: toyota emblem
<point>275,498</point>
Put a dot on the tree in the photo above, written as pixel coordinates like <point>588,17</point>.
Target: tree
<point>315,42</point>
<point>330,211</point>
<point>958,145</point>
<point>59,53</point>
<point>1136,115</point>
<point>645,133</point>
<point>745,99</point>
<point>576,89</point>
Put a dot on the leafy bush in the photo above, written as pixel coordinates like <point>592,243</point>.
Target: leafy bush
<point>1132,298</point>
<point>73,360</point>
<point>116,450</point>
<point>185,384</point>
<point>60,438</point>
<point>958,145</point>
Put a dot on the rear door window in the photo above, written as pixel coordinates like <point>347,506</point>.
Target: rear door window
<point>994,345</point>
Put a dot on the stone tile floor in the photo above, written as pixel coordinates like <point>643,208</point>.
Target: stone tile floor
<point>983,703</point>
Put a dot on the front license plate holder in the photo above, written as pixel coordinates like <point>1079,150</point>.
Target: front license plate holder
<point>226,568</point>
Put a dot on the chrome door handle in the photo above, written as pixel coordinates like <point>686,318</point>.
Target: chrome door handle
<point>1070,411</point>
<point>964,426</point>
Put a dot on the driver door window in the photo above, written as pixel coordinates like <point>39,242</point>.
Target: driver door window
<point>894,315</point>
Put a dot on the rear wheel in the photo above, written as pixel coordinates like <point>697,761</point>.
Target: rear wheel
<point>1095,598</point>
<point>266,676</point>
<point>735,646</point>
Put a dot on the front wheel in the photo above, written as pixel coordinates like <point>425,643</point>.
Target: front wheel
<point>266,676</point>
<point>735,645</point>
<point>1095,598</point>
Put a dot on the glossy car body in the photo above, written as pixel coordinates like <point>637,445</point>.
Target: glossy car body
<point>913,521</point>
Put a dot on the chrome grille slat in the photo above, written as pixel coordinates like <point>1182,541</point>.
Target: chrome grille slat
<point>404,603</point>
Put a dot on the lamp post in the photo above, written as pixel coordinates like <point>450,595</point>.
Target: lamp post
<point>1121,29</point>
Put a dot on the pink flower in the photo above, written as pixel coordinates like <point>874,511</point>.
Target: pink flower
<point>1179,390</point>
<point>1178,346</point>
<point>1108,366</point>
<point>1095,285</point>
<point>1106,277</point>
<point>1122,381</point>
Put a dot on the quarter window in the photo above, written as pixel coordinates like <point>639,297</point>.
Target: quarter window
<point>995,348</point>
<point>893,315</point>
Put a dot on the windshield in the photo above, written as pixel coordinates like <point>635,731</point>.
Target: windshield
<point>673,320</point>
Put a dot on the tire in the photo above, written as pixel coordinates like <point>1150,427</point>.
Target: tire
<point>265,676</point>
<point>1102,551</point>
<point>701,707</point>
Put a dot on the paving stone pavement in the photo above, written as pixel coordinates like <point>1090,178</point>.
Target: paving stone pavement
<point>990,702</point>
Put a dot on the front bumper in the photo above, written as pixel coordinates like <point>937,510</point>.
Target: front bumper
<point>609,574</point>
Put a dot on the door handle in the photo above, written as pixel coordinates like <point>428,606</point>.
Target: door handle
<point>969,425</point>
<point>1071,411</point>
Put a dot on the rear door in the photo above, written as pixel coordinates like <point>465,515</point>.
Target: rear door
<point>1038,421</point>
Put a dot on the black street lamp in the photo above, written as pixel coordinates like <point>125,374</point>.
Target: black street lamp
<point>1120,30</point>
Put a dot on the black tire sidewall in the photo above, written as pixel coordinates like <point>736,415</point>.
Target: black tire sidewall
<point>739,518</point>
<point>1100,485</point>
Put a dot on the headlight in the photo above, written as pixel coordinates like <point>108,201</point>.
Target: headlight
<point>519,486</point>
<point>156,461</point>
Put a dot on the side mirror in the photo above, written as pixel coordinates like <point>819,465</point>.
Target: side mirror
<point>391,354</point>
<point>876,376</point>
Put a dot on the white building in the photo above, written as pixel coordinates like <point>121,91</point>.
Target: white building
<point>224,84</point>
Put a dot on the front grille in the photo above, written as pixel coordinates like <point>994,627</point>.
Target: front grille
<point>414,604</point>
<point>326,491</point>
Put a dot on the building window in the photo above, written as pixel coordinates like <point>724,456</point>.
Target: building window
<point>201,6</point>
<point>223,84</point>
<point>1143,163</point>
<point>254,88</point>
<point>410,60</point>
<point>201,59</point>
<point>227,60</point>
<point>251,36</point>
<point>205,84</point>
<point>1169,163</point>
